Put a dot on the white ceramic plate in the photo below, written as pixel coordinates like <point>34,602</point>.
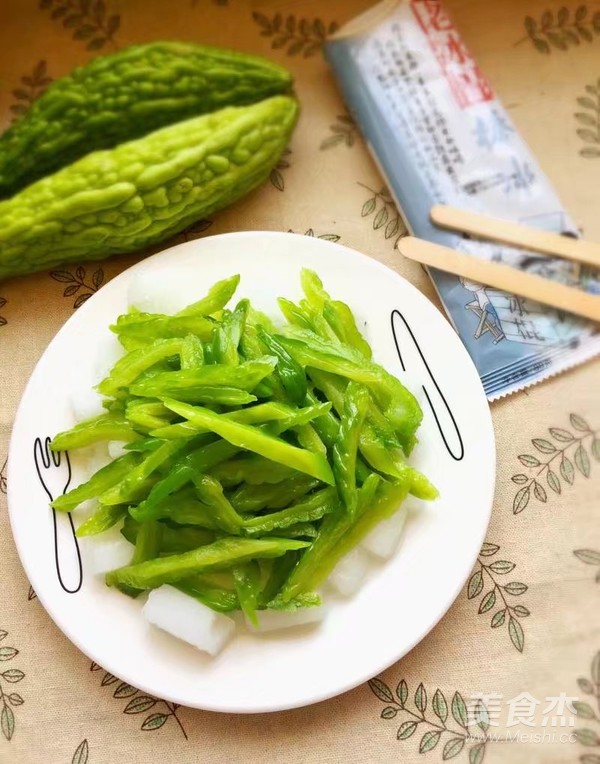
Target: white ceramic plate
<point>402,599</point>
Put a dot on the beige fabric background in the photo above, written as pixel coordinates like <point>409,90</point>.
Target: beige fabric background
<point>69,712</point>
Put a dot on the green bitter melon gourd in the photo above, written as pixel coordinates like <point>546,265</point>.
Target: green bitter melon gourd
<point>145,190</point>
<point>128,94</point>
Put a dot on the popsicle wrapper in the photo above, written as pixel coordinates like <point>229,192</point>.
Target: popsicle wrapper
<point>440,136</point>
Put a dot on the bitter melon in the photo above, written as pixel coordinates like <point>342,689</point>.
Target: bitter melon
<point>128,94</point>
<point>143,191</point>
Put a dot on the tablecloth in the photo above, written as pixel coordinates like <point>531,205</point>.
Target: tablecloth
<point>525,631</point>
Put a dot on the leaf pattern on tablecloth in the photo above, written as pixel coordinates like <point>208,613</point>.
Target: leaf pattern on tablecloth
<point>344,132</point>
<point>557,463</point>
<point>9,699</point>
<point>90,21</point>
<point>3,479</point>
<point>297,36</point>
<point>386,217</point>
<point>77,284</point>
<point>276,177</point>
<point>455,735</point>
<point>3,301</point>
<point>82,752</point>
<point>139,703</point>
<point>495,597</point>
<point>589,557</point>
<point>562,30</point>
<point>588,120</point>
<point>30,88</point>
<point>588,711</point>
<point>325,236</point>
<point>31,595</point>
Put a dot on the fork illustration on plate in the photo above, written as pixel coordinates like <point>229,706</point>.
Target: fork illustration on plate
<point>54,472</point>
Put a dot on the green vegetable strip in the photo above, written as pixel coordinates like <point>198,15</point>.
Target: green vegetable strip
<point>290,373</point>
<point>99,483</point>
<point>103,518</point>
<point>172,539</point>
<point>312,286</point>
<point>148,542</point>
<point>421,487</point>
<point>244,377</point>
<point>144,445</point>
<point>147,415</point>
<point>248,586</point>
<point>308,438</point>
<point>319,325</point>
<point>313,508</point>
<point>262,412</point>
<point>214,597</point>
<point>150,326</point>
<point>371,446</point>
<point>252,470</point>
<point>301,417</point>
<point>206,457</point>
<point>147,546</point>
<point>297,531</point>
<point>128,368</point>
<point>210,492</point>
<point>253,439</point>
<point>100,428</point>
<point>130,529</point>
<point>317,562</point>
<point>386,503</point>
<point>280,570</point>
<point>177,540</point>
<point>174,481</point>
<point>217,298</point>
<point>293,314</point>
<point>326,424</point>
<point>251,348</point>
<point>184,508</point>
<point>127,489</point>
<point>315,357</point>
<point>345,448</point>
<point>401,407</point>
<point>341,319</point>
<point>252,498</point>
<point>301,601</point>
<point>219,555</point>
<point>337,314</point>
<point>211,396</point>
<point>228,334</point>
<point>192,353</point>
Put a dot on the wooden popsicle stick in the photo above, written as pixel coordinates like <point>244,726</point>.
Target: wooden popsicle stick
<point>515,234</point>
<point>502,277</point>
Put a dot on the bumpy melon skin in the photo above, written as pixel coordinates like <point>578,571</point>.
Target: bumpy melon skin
<point>144,191</point>
<point>125,95</point>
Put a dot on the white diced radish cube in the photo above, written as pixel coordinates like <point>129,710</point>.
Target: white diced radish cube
<point>274,620</point>
<point>350,572</point>
<point>86,403</point>
<point>187,619</point>
<point>106,552</point>
<point>163,290</point>
<point>116,449</point>
<point>383,540</point>
<point>108,352</point>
